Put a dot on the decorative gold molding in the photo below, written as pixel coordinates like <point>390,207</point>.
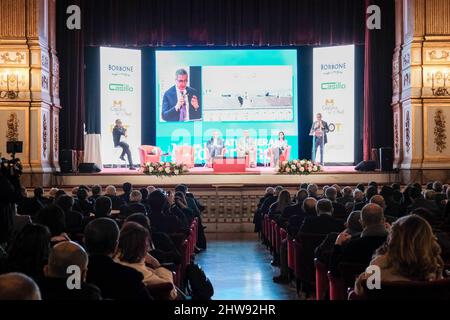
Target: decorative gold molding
<point>396,134</point>
<point>12,133</point>
<point>408,131</point>
<point>440,131</point>
<point>56,138</point>
<point>44,136</point>
<point>13,58</point>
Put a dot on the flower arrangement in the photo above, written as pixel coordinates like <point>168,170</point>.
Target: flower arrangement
<point>299,167</point>
<point>167,169</point>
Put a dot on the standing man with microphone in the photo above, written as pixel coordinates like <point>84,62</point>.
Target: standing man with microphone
<point>119,131</point>
<point>319,130</point>
<point>180,102</point>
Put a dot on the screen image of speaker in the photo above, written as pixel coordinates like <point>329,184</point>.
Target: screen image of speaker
<point>386,159</point>
<point>366,166</point>
<point>88,168</point>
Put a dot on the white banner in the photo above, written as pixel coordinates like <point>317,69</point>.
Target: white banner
<point>334,98</point>
<point>120,99</point>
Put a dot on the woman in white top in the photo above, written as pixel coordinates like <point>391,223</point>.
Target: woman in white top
<point>278,147</point>
<point>133,247</point>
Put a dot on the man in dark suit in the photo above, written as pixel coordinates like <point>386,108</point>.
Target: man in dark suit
<point>215,146</point>
<point>134,206</point>
<point>116,282</point>
<point>418,201</point>
<point>319,130</point>
<point>361,249</point>
<point>346,197</point>
<point>324,223</point>
<point>180,102</point>
<point>119,131</point>
<point>339,211</point>
<point>54,286</point>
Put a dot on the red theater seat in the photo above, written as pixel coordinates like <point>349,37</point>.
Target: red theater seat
<point>410,290</point>
<point>322,285</point>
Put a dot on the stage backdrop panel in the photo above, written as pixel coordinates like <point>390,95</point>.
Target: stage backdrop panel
<point>120,99</point>
<point>254,90</point>
<point>334,97</point>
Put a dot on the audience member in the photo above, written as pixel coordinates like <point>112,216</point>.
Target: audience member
<point>361,249</point>
<point>116,201</point>
<point>114,280</point>
<point>411,254</point>
<point>61,262</point>
<point>134,245</point>
<point>28,252</point>
<point>17,286</point>
<point>323,223</point>
<point>134,205</point>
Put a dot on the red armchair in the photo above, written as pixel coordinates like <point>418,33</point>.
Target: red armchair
<point>184,155</point>
<point>149,154</point>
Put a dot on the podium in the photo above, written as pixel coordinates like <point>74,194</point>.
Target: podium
<point>229,164</point>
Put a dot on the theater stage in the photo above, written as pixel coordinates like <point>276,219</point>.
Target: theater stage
<point>206,177</point>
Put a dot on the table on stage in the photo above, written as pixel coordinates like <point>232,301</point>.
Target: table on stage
<point>229,164</point>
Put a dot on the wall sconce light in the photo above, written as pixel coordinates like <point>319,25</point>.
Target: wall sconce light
<point>438,78</point>
<point>10,82</point>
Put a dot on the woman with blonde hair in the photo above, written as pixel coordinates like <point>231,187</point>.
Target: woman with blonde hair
<point>411,253</point>
<point>283,201</point>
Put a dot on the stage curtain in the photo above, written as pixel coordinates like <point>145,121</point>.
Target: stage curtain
<point>379,49</point>
<point>152,23</point>
<point>70,51</point>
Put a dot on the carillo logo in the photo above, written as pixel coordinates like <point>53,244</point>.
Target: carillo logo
<point>116,68</point>
<point>120,87</point>
<point>333,86</point>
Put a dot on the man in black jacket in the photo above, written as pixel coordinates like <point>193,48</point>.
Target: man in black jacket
<point>55,284</point>
<point>339,211</point>
<point>134,206</point>
<point>118,132</point>
<point>361,249</point>
<point>116,282</point>
<point>418,201</point>
<point>324,223</point>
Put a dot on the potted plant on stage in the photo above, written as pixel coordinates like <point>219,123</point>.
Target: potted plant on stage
<point>303,167</point>
<point>164,169</point>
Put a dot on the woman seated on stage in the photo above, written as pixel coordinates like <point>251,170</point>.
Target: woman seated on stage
<point>277,148</point>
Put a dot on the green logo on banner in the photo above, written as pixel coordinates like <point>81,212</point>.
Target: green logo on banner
<point>120,87</point>
<point>333,86</point>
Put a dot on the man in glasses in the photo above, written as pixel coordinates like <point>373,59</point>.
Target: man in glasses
<point>180,102</point>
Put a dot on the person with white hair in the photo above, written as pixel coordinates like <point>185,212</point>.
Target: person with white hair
<point>52,194</point>
<point>133,206</point>
<point>116,201</point>
<point>150,189</point>
<point>312,190</point>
